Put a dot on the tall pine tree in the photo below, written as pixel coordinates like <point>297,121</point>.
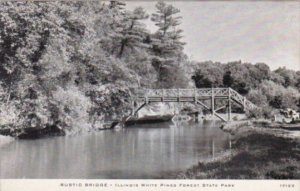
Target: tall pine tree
<point>167,45</point>
<point>134,31</point>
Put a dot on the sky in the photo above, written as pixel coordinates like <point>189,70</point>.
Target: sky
<point>224,31</point>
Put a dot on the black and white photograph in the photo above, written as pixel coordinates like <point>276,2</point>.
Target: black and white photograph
<point>151,90</point>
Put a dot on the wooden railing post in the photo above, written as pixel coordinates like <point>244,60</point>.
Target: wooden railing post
<point>212,101</point>
<point>195,94</point>
<point>229,105</point>
<point>147,99</point>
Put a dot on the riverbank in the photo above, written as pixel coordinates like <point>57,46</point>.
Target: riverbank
<point>257,153</point>
<point>36,133</point>
<point>32,133</point>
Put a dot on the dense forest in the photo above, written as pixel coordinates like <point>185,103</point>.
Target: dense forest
<point>270,90</point>
<point>72,64</point>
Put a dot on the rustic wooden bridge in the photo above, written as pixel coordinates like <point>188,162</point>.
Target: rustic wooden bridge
<point>142,97</point>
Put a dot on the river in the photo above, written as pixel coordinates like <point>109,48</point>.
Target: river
<point>139,152</point>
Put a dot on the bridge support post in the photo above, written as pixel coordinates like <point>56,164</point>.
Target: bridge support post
<point>212,102</point>
<point>244,103</point>
<point>146,96</point>
<point>196,116</point>
<point>134,105</point>
<point>132,108</point>
<point>229,105</point>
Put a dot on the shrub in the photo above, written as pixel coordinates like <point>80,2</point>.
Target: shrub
<point>71,108</point>
<point>260,112</point>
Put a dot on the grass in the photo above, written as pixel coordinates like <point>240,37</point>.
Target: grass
<point>255,156</point>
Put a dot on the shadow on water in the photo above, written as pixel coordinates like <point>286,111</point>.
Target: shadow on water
<point>141,151</point>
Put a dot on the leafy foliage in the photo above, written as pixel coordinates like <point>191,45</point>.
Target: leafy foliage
<point>69,64</point>
<point>268,89</point>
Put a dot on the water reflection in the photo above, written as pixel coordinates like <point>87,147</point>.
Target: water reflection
<point>144,151</point>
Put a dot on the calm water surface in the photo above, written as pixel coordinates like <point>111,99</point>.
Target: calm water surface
<point>143,151</point>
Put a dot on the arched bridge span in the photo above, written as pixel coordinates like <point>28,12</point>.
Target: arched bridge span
<point>142,97</point>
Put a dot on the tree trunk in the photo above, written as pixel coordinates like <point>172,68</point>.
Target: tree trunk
<point>122,48</point>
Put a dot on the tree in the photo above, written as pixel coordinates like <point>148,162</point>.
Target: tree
<point>289,76</point>
<point>298,83</point>
<point>257,97</point>
<point>40,41</point>
<point>201,81</point>
<point>278,96</point>
<point>168,36</point>
<point>261,72</point>
<point>167,46</point>
<point>110,25</point>
<point>134,31</point>
<point>227,79</point>
<point>24,32</point>
<point>208,74</point>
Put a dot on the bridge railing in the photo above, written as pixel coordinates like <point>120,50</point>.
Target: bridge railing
<point>241,99</point>
<point>181,92</point>
<point>203,92</point>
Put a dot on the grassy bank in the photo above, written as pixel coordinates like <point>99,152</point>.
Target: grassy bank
<point>255,155</point>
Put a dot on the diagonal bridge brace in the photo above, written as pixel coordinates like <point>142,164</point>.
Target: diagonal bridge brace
<point>213,111</point>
